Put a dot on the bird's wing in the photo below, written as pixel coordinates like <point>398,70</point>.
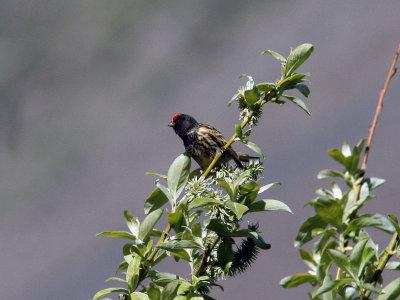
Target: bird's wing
<point>214,134</point>
<point>217,137</point>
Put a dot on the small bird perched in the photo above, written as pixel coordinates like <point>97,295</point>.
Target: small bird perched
<point>203,142</point>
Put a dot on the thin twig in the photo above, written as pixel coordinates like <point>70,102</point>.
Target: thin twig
<point>391,73</point>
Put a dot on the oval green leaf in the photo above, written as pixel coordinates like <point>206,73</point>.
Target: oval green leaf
<point>269,205</point>
<point>178,174</point>
<point>148,224</point>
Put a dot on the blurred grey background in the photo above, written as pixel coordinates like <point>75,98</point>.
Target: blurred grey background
<point>87,89</point>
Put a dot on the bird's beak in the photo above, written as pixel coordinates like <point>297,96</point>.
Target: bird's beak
<point>171,124</point>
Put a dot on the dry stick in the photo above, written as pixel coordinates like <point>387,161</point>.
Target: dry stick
<point>391,73</point>
<point>382,93</point>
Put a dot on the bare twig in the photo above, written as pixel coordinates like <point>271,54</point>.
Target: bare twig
<point>391,73</point>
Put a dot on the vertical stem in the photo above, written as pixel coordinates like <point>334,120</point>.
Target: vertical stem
<point>382,94</point>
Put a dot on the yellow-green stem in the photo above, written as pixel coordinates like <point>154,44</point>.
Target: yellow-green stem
<point>387,254</point>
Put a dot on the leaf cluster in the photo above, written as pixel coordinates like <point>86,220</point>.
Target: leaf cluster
<point>340,235</point>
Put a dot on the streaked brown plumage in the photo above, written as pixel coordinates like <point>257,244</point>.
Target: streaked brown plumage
<point>202,142</point>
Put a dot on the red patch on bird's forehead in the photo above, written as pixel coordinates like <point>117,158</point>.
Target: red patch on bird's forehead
<point>174,118</point>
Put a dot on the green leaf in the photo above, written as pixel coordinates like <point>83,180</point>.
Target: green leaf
<point>156,233</point>
<point>238,130</point>
<point>227,186</point>
<point>299,103</point>
<point>159,277</point>
<point>275,54</point>
<point>268,186</point>
<point>302,88</point>
<point>102,293</point>
<point>269,205</point>
<point>346,150</point>
<point>392,290</point>
<point>148,224</point>
<point>132,222</point>
<point>157,174</point>
<point>338,156</point>
<point>248,192</point>
<point>139,296</point>
<point>370,287</point>
<point>178,174</point>
<point>197,230</point>
<point>307,257</point>
<point>356,257</point>
<point>266,86</point>
<point>179,244</point>
<point>153,291</point>
<point>175,219</point>
<point>252,96</point>
<point>305,233</point>
<point>395,223</point>
<point>195,173</point>
<point>122,266</point>
<point>341,261</point>
<point>132,273</point>
<point>253,147</point>
<point>291,82</point>
<point>324,174</point>
<point>166,192</point>
<point>170,290</point>
<point>374,182</point>
<point>249,187</point>
<point>330,285</point>
<point>329,210</point>
<point>201,202</point>
<point>393,265</point>
<point>181,253</point>
<point>370,220</point>
<point>117,279</point>
<point>298,279</point>
<point>118,234</point>
<point>237,208</point>
<point>217,227</point>
<point>160,255</point>
<point>297,57</point>
<point>156,200</point>
<point>225,254</point>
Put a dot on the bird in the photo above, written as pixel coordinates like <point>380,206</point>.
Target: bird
<point>202,142</point>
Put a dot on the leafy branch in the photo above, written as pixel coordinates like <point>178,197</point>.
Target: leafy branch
<point>343,240</point>
<point>223,196</point>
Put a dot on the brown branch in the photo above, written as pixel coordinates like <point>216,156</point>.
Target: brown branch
<point>391,73</point>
